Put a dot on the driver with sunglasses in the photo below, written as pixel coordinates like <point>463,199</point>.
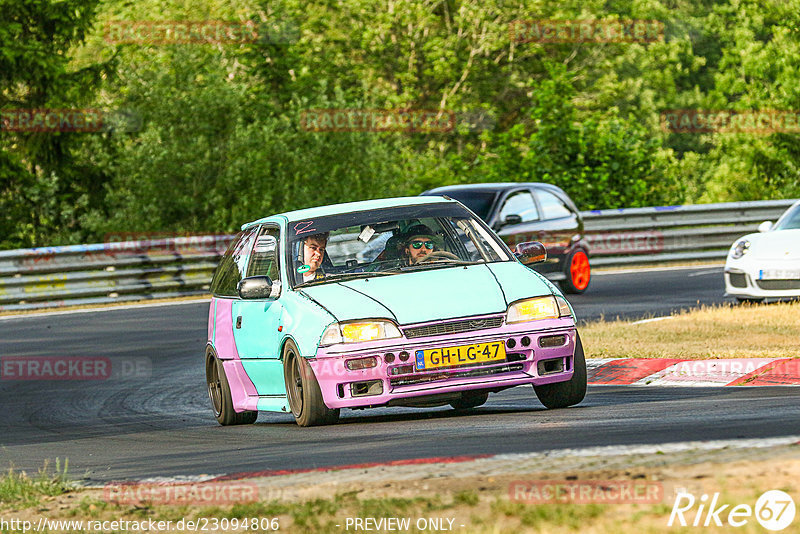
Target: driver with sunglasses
<point>418,243</point>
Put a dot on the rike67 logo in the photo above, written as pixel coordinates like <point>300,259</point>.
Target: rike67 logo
<point>774,510</point>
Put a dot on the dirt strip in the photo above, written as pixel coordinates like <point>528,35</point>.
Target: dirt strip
<point>627,489</point>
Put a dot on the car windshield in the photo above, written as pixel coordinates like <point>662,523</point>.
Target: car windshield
<point>479,202</point>
<point>790,220</point>
<point>388,242</point>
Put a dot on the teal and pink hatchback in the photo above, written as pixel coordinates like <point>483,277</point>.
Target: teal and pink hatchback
<point>394,302</point>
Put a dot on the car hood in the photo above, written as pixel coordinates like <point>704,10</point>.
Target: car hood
<point>775,245</point>
<point>443,293</point>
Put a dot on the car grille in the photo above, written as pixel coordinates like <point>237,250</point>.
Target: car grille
<point>433,377</point>
<point>737,279</point>
<point>778,284</point>
<point>453,327</point>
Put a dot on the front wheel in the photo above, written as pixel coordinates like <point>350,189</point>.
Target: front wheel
<point>302,390</point>
<point>577,271</point>
<point>563,394</point>
<point>219,392</point>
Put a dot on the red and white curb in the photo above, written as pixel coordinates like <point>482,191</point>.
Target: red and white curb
<point>681,372</point>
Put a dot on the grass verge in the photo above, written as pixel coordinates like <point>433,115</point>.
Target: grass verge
<point>463,504</point>
<point>19,489</point>
<point>739,331</point>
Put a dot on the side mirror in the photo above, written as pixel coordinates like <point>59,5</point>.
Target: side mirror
<point>511,220</point>
<point>765,226</point>
<point>530,252</point>
<point>258,287</point>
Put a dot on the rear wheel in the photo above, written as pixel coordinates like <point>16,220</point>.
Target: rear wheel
<point>470,400</point>
<point>219,392</point>
<point>563,394</point>
<point>578,272</point>
<point>302,390</point>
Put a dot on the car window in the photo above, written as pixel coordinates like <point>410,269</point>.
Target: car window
<point>480,202</point>
<point>389,241</point>
<point>790,220</point>
<point>552,206</point>
<point>520,203</point>
<point>265,262</point>
<point>233,264</point>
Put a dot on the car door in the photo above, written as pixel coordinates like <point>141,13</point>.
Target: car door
<point>231,270</point>
<point>559,224</point>
<point>517,219</point>
<point>256,321</point>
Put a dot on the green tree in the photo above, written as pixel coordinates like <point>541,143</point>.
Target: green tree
<point>45,183</point>
<point>221,141</point>
<point>601,161</point>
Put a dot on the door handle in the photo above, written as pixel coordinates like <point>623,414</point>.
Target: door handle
<point>239,322</point>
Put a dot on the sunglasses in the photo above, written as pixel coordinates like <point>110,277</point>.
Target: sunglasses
<point>416,245</point>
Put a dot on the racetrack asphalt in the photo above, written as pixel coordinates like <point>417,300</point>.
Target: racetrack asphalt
<point>646,293</point>
<point>162,425</point>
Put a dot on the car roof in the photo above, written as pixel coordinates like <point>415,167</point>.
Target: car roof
<point>494,186</point>
<point>349,207</point>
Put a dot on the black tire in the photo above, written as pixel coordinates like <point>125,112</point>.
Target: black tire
<point>470,400</point>
<point>219,392</point>
<point>563,394</point>
<point>302,390</point>
<point>578,276</point>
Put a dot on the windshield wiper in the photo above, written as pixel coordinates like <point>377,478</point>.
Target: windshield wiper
<point>437,264</point>
<point>364,274</point>
<point>339,277</point>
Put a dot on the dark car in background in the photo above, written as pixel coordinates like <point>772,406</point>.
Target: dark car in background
<point>520,212</point>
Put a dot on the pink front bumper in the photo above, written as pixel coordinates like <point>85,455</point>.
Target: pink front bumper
<point>343,388</point>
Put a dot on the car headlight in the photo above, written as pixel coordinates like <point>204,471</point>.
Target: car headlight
<point>740,249</point>
<point>550,307</point>
<point>358,331</point>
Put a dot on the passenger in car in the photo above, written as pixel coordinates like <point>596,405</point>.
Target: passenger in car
<point>313,255</point>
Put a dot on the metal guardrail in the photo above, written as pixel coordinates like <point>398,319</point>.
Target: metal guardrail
<point>673,233</point>
<point>108,272</point>
<point>182,266</point>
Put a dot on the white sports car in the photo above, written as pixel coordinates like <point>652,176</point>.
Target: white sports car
<point>766,264</point>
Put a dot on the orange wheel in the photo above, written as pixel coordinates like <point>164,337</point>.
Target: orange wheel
<point>578,273</point>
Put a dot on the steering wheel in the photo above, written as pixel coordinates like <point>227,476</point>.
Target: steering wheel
<point>438,255</point>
